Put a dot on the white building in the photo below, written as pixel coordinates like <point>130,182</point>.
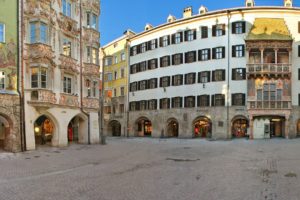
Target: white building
<point>221,74</point>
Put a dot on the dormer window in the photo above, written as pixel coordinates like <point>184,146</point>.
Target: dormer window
<point>250,3</point>
<point>91,20</point>
<point>67,8</point>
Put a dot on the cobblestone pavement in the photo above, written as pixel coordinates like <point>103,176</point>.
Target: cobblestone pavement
<point>155,169</point>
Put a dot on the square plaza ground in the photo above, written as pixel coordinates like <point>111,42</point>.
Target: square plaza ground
<point>155,169</point>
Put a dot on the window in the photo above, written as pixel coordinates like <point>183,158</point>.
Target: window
<point>204,54</point>
<point>177,80</point>
<point>38,32</point>
<point>115,75</point>
<point>238,51</point>
<point>177,102</point>
<point>91,20</point>
<point>67,84</point>
<point>2,80</point>
<point>152,83</point>
<point>298,27</point>
<point>238,99</point>
<point>143,66</point>
<point>143,85</point>
<point>115,92</point>
<point>239,74</point>
<point>132,106</point>
<point>121,108</point>
<point>218,100</point>
<point>218,30</point>
<point>164,103</point>
<point>133,87</point>
<point>95,88</point>
<point>259,94</point>
<point>107,109</point>
<point>203,100</point>
<point>204,32</point>
<point>88,87</point>
<point>152,44</point>
<point>143,105</point>
<point>177,38</point>
<point>177,59</point>
<point>152,104</point>
<point>143,47</point>
<point>190,35</point>
<point>165,61</point>
<point>116,59</point>
<point>218,52</point>
<point>152,64</point>
<point>218,75</point>
<point>165,81</point>
<point>190,78</point>
<point>133,51</point>
<point>122,73</point>
<point>2,33</point>
<point>164,41</point>
<point>204,77</point>
<point>92,55</point>
<point>238,27</point>
<point>66,8</point>
<point>122,89</point>
<point>298,50</point>
<point>189,102</point>
<point>108,77</point>
<point>123,57</point>
<point>39,77</point>
<point>67,47</point>
<point>190,57</point>
<point>108,61</point>
<point>134,69</point>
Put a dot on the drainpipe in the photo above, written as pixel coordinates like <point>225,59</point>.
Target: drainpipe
<point>102,137</point>
<point>128,85</point>
<point>228,74</point>
<point>81,87</point>
<point>20,71</point>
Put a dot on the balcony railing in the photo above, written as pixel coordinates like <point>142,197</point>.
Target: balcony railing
<point>42,96</point>
<point>269,68</point>
<point>269,105</point>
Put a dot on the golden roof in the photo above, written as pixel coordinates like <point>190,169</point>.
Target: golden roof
<point>269,29</point>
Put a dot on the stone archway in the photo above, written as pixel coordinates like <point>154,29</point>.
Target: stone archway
<point>239,125</point>
<point>202,127</point>
<point>172,128</point>
<point>5,131</point>
<point>143,127</point>
<point>44,130</point>
<point>114,128</point>
<point>77,130</point>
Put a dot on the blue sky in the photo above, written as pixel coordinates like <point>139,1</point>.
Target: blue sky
<point>120,15</point>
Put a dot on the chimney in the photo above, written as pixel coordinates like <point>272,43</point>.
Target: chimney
<point>203,10</point>
<point>250,3</point>
<point>288,3</point>
<point>188,12</point>
<point>171,18</point>
<point>148,27</point>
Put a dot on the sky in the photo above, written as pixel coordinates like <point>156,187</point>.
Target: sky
<point>120,15</point>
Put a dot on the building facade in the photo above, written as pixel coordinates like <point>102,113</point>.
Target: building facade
<point>10,136</point>
<point>115,75</point>
<point>223,74</point>
<point>61,75</point>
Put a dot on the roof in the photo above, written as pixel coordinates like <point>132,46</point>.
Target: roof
<point>269,29</point>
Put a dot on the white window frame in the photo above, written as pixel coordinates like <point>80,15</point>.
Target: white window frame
<point>71,46</point>
<point>71,8</point>
<point>123,56</point>
<point>71,78</point>
<point>39,74</point>
<point>38,32</point>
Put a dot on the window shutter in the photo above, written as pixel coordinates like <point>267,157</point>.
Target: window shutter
<point>233,27</point>
<point>181,36</point>
<point>214,53</point>
<point>169,61</point>
<point>139,49</point>
<point>181,79</point>
<point>138,67</point>
<point>223,74</point>
<point>185,57</point>
<point>299,74</point>
<point>298,27</point>
<point>148,45</point>
<point>161,63</point>
<point>169,80</point>
<point>172,102</point>
<point>199,77</point>
<point>198,101</point>
<point>161,41</point>
<point>160,103</point>
<point>208,76</point>
<point>185,78</point>
<point>169,40</point>
<point>223,100</point>
<point>181,102</point>
<point>298,99</point>
<point>131,51</point>
<point>173,80</point>
<point>233,74</point>
<point>244,73</point>
<point>156,45</point>
<point>194,77</point>
<point>233,99</point>
<point>233,51</point>
<point>185,36</point>
<point>156,63</point>
<point>195,34</point>
<point>156,80</point>
<point>243,99</point>
<point>223,52</point>
<point>209,54</point>
<point>213,76</point>
<point>173,38</point>
<point>199,55</point>
<point>243,50</point>
<point>181,58</point>
<point>214,30</point>
<point>207,100</point>
<point>160,82</point>
<point>243,27</point>
<point>298,50</point>
<point>223,29</point>
<point>169,101</point>
<point>195,56</point>
<point>173,59</point>
<point>185,101</point>
<point>212,100</point>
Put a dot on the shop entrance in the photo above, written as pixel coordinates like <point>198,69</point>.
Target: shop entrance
<point>43,130</point>
<point>144,127</point>
<point>239,128</point>
<point>172,128</point>
<point>115,128</point>
<point>202,127</point>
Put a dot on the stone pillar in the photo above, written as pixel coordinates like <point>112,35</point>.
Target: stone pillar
<point>262,55</point>
<point>276,55</point>
<point>251,127</point>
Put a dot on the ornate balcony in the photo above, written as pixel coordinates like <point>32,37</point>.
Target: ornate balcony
<point>42,98</point>
<point>68,100</point>
<point>91,70</point>
<point>91,36</point>
<point>269,105</point>
<point>269,69</point>
<point>93,5</point>
<point>39,53</point>
<point>69,64</point>
<point>68,25</point>
<point>91,103</point>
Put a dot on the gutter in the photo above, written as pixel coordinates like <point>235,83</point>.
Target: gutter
<point>81,86</point>
<point>20,82</point>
